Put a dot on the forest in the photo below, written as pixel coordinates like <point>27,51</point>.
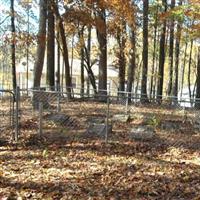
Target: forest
<point>152,44</point>
<point>100,99</point>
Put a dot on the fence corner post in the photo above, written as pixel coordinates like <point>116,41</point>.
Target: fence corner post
<point>127,101</point>
<point>17,93</point>
<point>58,103</point>
<point>107,117</point>
<point>40,118</point>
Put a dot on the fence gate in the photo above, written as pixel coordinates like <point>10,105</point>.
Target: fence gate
<point>8,115</point>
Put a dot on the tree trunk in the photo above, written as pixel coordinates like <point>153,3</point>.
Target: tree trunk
<point>41,45</point>
<point>171,52</point>
<point>177,53</point>
<point>14,80</point>
<point>58,63</point>
<point>82,73</point>
<point>81,32</point>
<point>189,70</point>
<point>132,65</point>
<point>161,58</point>
<point>183,69</point>
<point>38,66</point>
<point>156,71</point>
<point>88,65</point>
<point>139,69</point>
<point>102,39</point>
<point>27,48</point>
<point>121,40</point>
<point>154,54</point>
<point>88,53</point>
<point>144,97</point>
<point>51,48</point>
<point>64,50</point>
<point>197,100</point>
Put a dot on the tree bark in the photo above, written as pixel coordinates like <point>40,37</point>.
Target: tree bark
<point>189,70</point>
<point>102,39</point>
<point>144,97</point>
<point>183,68</point>
<point>41,43</point>
<point>88,58</point>
<point>121,40</point>
<point>81,32</point>
<point>197,99</point>
<point>132,65</point>
<point>58,63</point>
<point>171,52</point>
<point>51,47</point>
<point>161,58</point>
<point>177,54</point>
<point>154,54</point>
<point>64,50</point>
<point>88,64</point>
<point>14,80</point>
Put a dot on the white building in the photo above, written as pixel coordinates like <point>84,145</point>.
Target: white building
<point>21,71</point>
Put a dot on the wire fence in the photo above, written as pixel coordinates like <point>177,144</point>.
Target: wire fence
<point>53,114</point>
<point>9,114</point>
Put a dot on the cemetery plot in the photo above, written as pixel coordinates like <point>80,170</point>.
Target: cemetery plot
<point>71,160</point>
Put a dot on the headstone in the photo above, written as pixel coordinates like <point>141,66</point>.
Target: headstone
<point>3,142</point>
<point>98,129</point>
<point>121,118</point>
<point>96,120</point>
<point>196,121</point>
<point>170,125</point>
<point>197,125</point>
<point>142,133</point>
<point>63,120</point>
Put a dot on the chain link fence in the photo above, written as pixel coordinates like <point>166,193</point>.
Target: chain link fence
<point>9,115</point>
<point>53,114</point>
<point>171,122</point>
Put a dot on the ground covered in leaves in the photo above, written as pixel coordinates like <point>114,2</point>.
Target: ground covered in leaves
<point>85,167</point>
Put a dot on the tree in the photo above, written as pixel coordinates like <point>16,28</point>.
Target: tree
<point>183,67</point>
<point>102,39</point>
<point>171,52</point>
<point>132,65</point>
<point>50,47</point>
<point>82,45</point>
<point>89,63</point>
<point>177,55</point>
<point>161,56</point>
<point>132,53</point>
<point>153,72</point>
<point>121,40</point>
<point>189,68</point>
<point>64,49</point>
<point>58,62</point>
<point>14,80</point>
<point>41,44</point>
<point>144,97</point>
<point>197,100</point>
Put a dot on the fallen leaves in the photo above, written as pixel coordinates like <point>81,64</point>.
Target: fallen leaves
<point>86,168</point>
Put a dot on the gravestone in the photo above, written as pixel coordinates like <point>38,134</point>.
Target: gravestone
<point>63,120</point>
<point>171,125</point>
<point>142,133</point>
<point>121,118</point>
<point>98,129</point>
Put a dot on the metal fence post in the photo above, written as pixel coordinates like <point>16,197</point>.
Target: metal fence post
<point>40,118</point>
<point>58,102</point>
<point>107,118</point>
<point>126,109</point>
<point>11,110</point>
<point>17,114</point>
